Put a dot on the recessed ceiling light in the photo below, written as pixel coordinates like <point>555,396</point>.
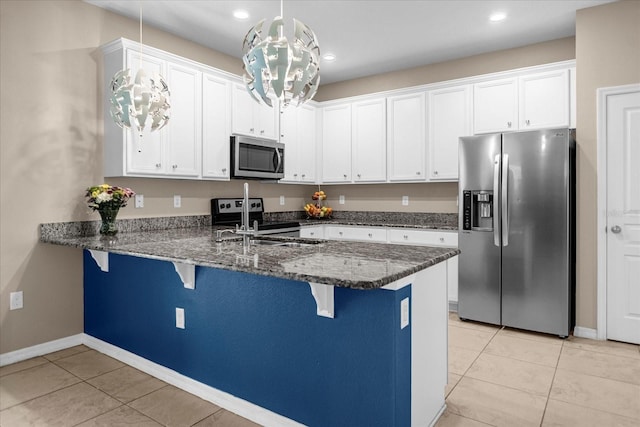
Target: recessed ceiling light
<point>241,14</point>
<point>329,57</point>
<point>498,16</point>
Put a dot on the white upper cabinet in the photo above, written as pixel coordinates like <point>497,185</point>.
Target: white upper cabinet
<point>544,100</point>
<point>336,144</point>
<point>449,119</point>
<point>298,134</point>
<point>495,106</point>
<point>253,118</point>
<point>216,126</point>
<point>184,131</point>
<point>529,101</point>
<point>406,137</point>
<point>369,140</point>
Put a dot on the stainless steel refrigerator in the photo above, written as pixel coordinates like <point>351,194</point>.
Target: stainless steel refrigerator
<point>517,230</point>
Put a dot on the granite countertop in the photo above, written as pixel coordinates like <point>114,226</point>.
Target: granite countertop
<point>346,264</point>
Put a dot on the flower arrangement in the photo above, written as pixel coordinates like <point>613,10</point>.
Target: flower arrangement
<point>108,200</point>
<point>106,196</point>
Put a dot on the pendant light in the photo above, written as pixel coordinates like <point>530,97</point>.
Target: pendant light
<point>141,100</point>
<point>275,69</point>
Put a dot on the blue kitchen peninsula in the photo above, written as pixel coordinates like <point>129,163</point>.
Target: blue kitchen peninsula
<point>326,333</point>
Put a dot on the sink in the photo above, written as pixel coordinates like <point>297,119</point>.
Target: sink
<point>267,242</point>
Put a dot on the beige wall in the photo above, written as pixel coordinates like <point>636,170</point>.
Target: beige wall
<point>607,54</point>
<point>51,150</point>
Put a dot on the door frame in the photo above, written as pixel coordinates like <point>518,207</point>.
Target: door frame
<point>601,300</point>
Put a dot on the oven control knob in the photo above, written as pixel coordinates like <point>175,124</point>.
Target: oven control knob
<point>253,205</point>
<point>259,204</point>
<point>228,205</point>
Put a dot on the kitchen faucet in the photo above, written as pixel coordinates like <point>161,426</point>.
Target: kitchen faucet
<point>244,230</point>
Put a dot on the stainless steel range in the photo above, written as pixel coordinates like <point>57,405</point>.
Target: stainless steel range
<point>228,211</point>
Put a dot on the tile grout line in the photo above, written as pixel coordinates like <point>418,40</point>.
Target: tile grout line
<point>555,371</point>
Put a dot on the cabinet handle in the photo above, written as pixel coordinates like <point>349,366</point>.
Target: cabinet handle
<point>174,166</point>
<point>345,176</point>
<point>252,130</point>
<point>359,175</point>
<point>295,175</point>
<point>370,235</point>
<point>312,233</point>
<point>158,165</point>
<point>261,132</point>
<point>442,239</point>
<point>340,233</point>
<point>435,172</point>
<point>508,124</point>
<point>303,175</point>
<point>224,169</point>
<point>418,173</point>
<point>405,237</point>
<point>528,122</point>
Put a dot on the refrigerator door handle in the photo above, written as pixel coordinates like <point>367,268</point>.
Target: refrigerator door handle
<point>496,191</point>
<point>505,200</point>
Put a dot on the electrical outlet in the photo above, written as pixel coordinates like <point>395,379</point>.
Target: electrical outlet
<point>404,313</point>
<point>16,300</point>
<point>341,200</point>
<point>177,201</point>
<point>281,200</point>
<point>405,200</point>
<point>139,201</point>
<point>179,318</point>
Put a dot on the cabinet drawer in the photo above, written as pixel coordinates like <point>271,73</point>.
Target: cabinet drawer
<point>365,234</point>
<point>422,237</point>
<point>313,232</point>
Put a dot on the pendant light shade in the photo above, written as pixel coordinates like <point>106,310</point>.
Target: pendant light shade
<point>141,100</point>
<point>275,69</point>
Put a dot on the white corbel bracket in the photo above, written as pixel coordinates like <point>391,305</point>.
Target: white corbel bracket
<point>187,273</point>
<point>101,258</point>
<point>323,294</point>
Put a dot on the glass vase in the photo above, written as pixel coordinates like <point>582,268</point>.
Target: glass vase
<point>109,226</point>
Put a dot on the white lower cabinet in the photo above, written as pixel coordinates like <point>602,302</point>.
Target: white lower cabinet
<point>422,237</point>
<point>365,234</point>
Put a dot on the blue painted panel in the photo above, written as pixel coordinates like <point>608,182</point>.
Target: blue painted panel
<point>259,338</point>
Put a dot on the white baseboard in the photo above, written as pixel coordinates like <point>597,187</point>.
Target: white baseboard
<point>40,349</point>
<point>227,401</point>
<point>582,332</point>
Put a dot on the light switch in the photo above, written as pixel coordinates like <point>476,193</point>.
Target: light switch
<point>405,200</point>
<point>177,201</point>
<point>281,200</point>
<point>341,200</point>
<point>404,313</point>
<point>139,201</point>
<point>179,318</point>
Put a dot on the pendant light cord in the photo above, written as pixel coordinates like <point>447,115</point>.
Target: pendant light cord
<point>282,9</point>
<point>141,35</point>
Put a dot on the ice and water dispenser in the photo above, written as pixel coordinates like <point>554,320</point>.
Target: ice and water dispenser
<point>477,208</point>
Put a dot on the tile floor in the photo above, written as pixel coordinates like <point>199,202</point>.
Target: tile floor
<point>497,377</point>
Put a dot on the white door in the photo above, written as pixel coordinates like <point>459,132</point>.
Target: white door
<point>623,216</point>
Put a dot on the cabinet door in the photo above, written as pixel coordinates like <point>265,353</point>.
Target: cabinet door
<point>146,155</point>
<point>312,232</point>
<point>243,107</point>
<point>495,106</point>
<point>184,131</point>
<point>267,120</point>
<point>369,140</point>
<point>216,127</point>
<point>306,138</point>
<point>449,119</point>
<point>288,136</point>
<point>406,137</point>
<point>364,234</point>
<point>544,100</point>
<point>336,143</point>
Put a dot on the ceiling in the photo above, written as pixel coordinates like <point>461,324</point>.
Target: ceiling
<point>367,37</point>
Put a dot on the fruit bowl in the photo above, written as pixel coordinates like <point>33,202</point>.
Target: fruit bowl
<point>316,210</point>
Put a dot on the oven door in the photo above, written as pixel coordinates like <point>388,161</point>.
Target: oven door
<point>256,158</point>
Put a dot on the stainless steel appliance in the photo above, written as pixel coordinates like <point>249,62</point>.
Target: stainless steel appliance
<point>256,158</point>
<point>517,230</point>
<point>228,211</point>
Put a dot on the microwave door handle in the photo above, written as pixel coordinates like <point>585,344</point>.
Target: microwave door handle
<point>496,192</point>
<point>278,157</point>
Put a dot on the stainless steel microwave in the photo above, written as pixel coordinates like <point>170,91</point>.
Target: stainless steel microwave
<point>256,158</point>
